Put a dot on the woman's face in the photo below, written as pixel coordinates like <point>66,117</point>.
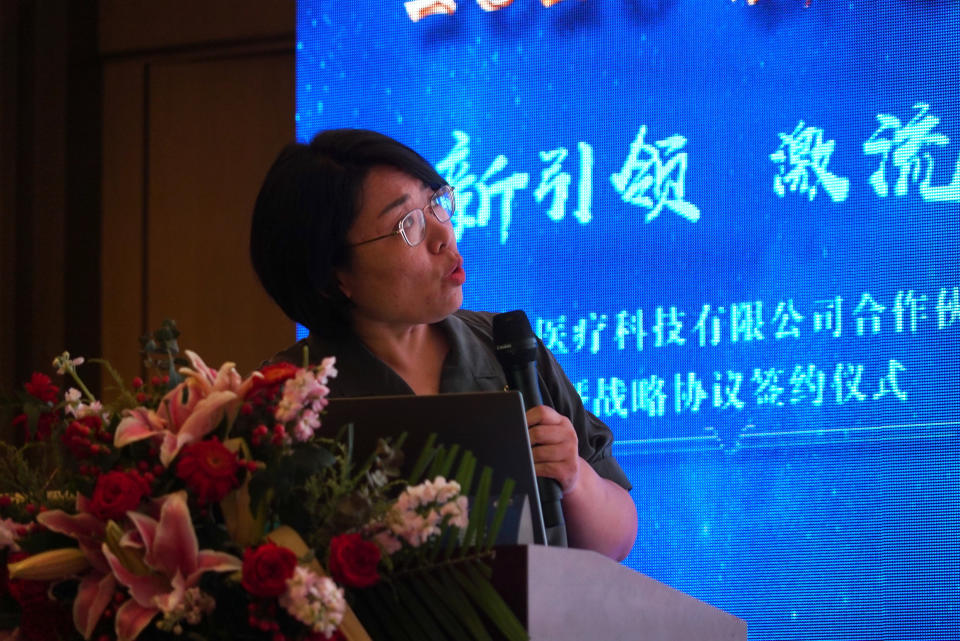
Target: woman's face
<point>389,281</point>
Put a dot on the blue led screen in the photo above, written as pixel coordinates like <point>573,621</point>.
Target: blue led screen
<point>737,227</point>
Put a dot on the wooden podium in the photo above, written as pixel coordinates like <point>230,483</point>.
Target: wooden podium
<point>577,595</point>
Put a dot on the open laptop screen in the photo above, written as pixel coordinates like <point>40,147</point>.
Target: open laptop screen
<point>491,425</point>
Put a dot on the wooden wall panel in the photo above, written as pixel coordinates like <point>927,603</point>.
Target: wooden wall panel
<point>122,197</point>
<point>42,231</point>
<point>138,25</point>
<point>77,264</point>
<point>41,245</point>
<point>49,187</point>
<point>215,126</point>
<point>198,98</point>
<point>9,178</point>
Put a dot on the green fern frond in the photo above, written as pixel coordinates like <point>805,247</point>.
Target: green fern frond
<point>19,475</point>
<point>506,494</point>
<point>446,593</point>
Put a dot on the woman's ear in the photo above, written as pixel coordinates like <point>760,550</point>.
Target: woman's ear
<point>341,280</point>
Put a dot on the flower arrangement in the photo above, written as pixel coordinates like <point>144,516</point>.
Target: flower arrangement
<point>203,505</point>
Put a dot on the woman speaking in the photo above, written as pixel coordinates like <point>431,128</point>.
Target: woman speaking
<point>352,237</point>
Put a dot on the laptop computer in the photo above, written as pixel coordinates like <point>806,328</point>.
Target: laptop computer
<point>492,425</point>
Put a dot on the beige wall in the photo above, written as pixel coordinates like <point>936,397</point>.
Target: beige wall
<point>133,138</point>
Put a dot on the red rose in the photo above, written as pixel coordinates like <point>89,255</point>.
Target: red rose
<point>353,561</point>
<point>274,374</point>
<point>265,387</point>
<point>209,469</point>
<point>41,387</point>
<point>267,568</point>
<point>116,493</point>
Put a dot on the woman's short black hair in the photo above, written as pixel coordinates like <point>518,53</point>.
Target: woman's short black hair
<point>306,205</point>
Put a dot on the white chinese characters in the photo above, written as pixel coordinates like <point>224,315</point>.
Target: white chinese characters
<point>803,157</point>
<point>653,177</point>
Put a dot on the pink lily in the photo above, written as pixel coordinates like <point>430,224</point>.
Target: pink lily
<point>189,411</point>
<point>226,378</point>
<point>138,424</point>
<point>170,552</point>
<point>97,585</point>
<point>86,528</point>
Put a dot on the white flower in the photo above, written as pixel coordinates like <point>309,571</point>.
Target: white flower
<point>309,422</point>
<point>447,490</point>
<point>419,511</point>
<point>78,409</point>
<point>326,370</point>
<point>387,541</point>
<point>424,493</point>
<point>191,607</point>
<point>10,532</point>
<point>314,600</point>
<point>64,363</point>
<point>95,407</point>
<point>458,512</point>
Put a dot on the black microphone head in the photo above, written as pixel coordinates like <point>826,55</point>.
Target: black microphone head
<point>515,342</point>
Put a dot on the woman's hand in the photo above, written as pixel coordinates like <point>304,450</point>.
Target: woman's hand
<point>599,514</point>
<point>554,442</point>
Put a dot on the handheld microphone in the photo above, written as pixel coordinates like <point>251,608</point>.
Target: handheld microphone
<point>516,346</point>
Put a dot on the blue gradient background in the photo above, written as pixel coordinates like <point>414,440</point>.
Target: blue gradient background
<point>829,522</point>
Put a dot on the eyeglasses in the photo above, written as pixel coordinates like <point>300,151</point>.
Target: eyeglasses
<point>413,226</point>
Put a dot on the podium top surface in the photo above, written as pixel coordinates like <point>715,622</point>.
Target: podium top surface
<point>579,594</point>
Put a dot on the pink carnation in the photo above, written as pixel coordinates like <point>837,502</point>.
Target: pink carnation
<point>314,600</point>
<point>304,398</point>
<point>420,511</point>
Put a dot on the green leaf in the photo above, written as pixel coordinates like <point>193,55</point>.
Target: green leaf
<point>20,474</point>
<point>464,477</point>
<point>465,472</point>
<point>9,620</point>
<point>426,455</point>
<point>347,431</point>
<point>454,593</point>
<point>446,464</point>
<point>506,495</point>
<point>379,615</point>
<point>368,617</point>
<point>451,598</point>
<point>424,614</point>
<point>398,621</point>
<point>125,399</point>
<point>478,514</point>
<point>386,451</point>
<point>445,615</point>
<point>259,485</point>
<point>309,458</point>
<point>491,602</point>
<point>33,412</point>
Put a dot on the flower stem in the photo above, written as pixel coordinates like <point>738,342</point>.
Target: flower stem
<point>79,382</point>
<point>465,558</point>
